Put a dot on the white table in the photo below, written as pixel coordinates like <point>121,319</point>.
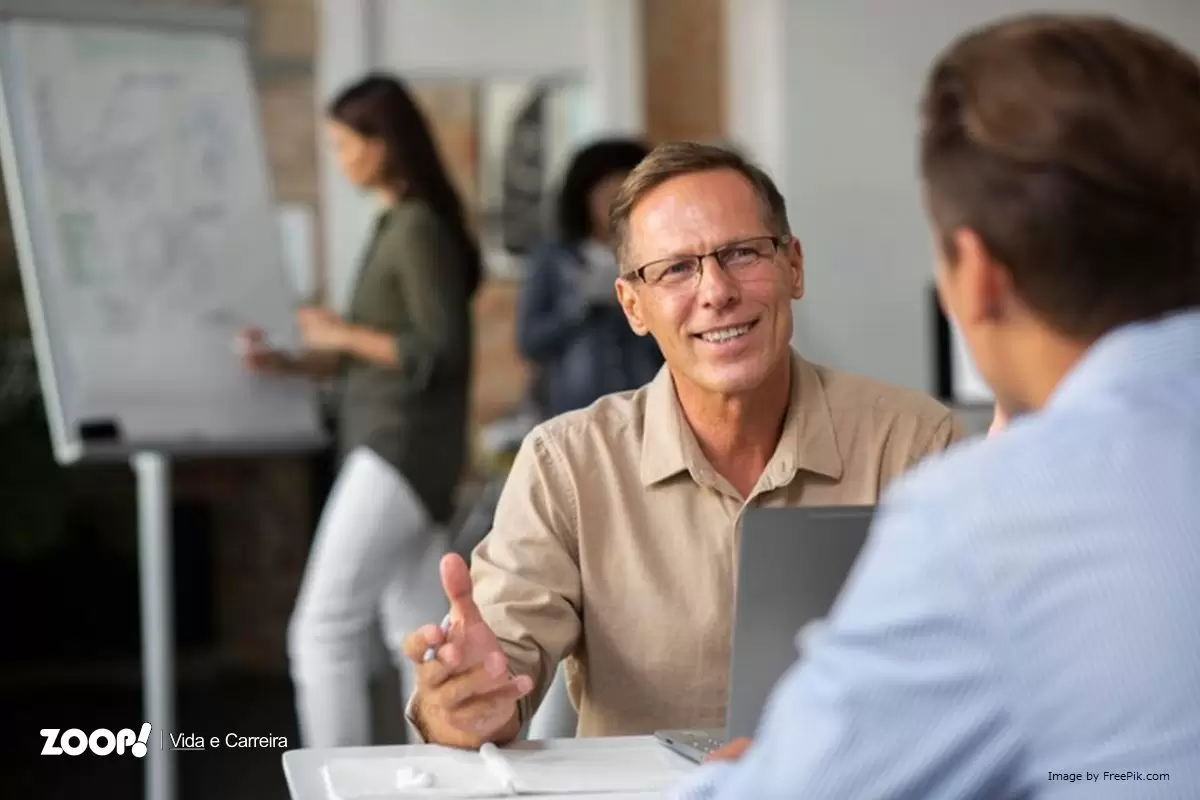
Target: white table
<point>302,768</point>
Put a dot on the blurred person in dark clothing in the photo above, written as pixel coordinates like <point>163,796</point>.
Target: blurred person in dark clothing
<point>569,325</point>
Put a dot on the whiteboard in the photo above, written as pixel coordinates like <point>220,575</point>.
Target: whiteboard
<point>147,237</point>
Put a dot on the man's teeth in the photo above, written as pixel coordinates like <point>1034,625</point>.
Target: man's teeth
<point>725,334</point>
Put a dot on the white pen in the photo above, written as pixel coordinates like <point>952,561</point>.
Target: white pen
<point>431,653</point>
<point>498,765</point>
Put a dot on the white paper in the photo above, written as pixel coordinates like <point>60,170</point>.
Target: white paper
<point>455,774</point>
<point>553,771</point>
<point>619,769</point>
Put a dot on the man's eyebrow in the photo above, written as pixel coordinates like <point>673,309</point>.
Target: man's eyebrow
<point>693,252</point>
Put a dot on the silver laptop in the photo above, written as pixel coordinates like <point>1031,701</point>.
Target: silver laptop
<point>792,563</point>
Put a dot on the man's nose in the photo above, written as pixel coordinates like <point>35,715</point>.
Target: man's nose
<point>716,289</point>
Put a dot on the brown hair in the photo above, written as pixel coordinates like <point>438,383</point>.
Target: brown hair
<point>381,107</point>
<point>1071,146</point>
<point>673,159</point>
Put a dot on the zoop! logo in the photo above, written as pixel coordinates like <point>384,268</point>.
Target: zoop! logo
<point>101,741</point>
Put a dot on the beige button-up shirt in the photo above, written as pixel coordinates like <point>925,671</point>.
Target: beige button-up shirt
<point>615,541</point>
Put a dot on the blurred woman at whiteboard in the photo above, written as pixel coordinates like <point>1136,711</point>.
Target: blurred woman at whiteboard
<point>404,355</point>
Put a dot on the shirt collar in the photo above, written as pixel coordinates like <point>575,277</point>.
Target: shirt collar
<point>808,441</point>
<point>1138,351</point>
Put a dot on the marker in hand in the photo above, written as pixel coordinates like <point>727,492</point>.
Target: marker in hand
<point>431,653</point>
<point>259,356</point>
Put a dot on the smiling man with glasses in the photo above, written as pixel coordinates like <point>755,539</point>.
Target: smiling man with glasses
<point>614,540</point>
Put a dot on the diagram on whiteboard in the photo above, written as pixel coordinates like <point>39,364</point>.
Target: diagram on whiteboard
<point>162,223</point>
<point>146,231</point>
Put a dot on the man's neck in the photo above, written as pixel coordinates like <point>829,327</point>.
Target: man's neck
<point>738,434</point>
<point>1050,358</point>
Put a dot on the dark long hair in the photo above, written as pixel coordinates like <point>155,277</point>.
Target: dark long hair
<point>588,168</point>
<point>381,107</point>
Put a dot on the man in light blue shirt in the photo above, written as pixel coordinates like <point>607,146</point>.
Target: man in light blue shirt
<point>1023,622</point>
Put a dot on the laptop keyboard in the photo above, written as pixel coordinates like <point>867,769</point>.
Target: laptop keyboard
<point>701,740</point>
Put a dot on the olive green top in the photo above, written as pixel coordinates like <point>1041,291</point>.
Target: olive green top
<point>413,284</point>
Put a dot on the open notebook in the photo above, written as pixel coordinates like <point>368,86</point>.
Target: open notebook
<point>428,771</point>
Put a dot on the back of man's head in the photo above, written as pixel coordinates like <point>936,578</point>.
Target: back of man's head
<point>1071,146</point>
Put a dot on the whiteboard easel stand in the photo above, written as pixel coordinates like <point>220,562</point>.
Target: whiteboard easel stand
<point>153,473</point>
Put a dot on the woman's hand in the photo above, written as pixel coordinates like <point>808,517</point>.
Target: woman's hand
<point>322,330</point>
<point>327,338</point>
<point>258,357</point>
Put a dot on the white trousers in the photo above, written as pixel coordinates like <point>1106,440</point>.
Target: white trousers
<point>374,562</point>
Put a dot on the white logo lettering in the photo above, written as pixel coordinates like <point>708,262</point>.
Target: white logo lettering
<point>125,739</point>
<point>101,741</point>
<point>74,742</point>
<point>139,748</point>
<point>50,748</point>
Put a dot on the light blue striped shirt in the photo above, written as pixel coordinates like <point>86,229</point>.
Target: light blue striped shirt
<point>1025,619</point>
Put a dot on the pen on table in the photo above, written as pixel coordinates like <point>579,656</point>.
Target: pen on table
<point>431,653</point>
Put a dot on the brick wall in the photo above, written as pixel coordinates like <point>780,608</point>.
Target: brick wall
<point>500,373</point>
<point>684,51</point>
<point>452,108</point>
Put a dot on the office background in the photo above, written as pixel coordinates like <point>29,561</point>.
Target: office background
<point>821,93</point>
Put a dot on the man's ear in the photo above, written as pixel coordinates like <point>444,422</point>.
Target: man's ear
<point>631,304</point>
<point>983,286</point>
<point>795,254</point>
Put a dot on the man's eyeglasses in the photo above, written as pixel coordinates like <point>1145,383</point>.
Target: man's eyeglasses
<point>747,259</point>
